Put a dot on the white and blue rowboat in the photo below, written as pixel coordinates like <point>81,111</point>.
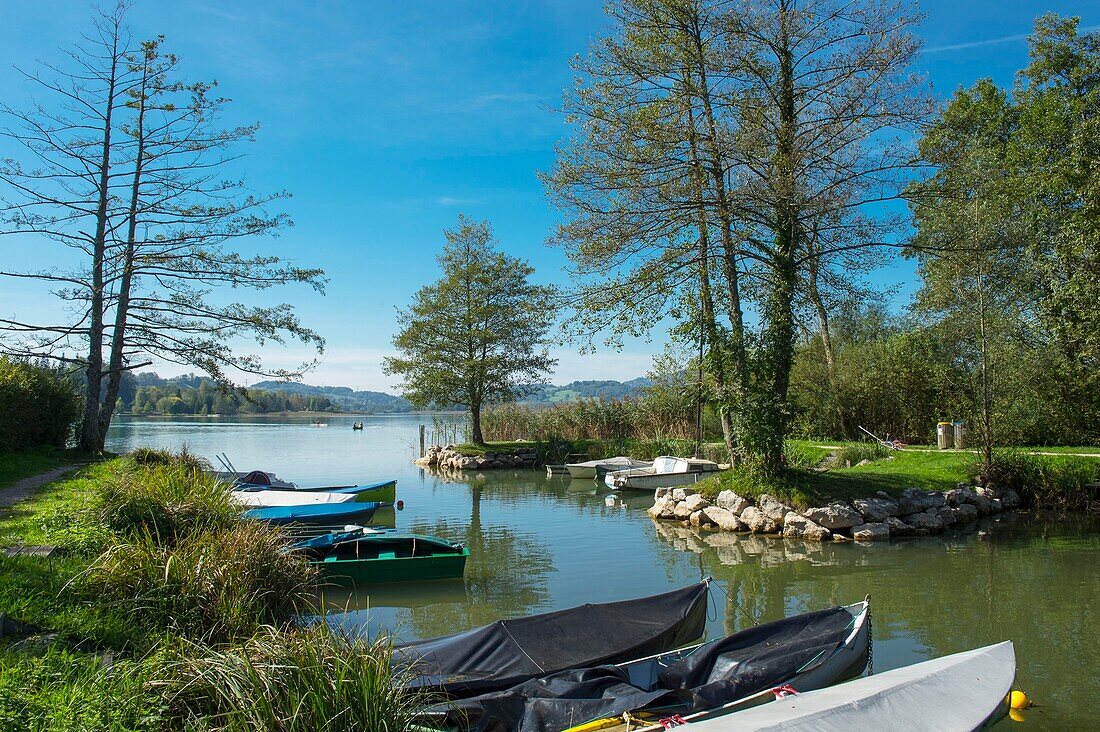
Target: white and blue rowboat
<point>261,496</point>
<point>317,513</point>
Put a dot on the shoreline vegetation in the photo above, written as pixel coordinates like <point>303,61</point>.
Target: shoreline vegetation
<point>127,626</point>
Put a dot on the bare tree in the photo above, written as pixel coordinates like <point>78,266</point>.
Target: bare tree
<point>164,216</point>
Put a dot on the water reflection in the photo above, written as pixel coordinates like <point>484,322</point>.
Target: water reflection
<point>540,544</point>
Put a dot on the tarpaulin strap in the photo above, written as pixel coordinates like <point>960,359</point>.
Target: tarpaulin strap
<point>674,721</point>
<point>784,690</point>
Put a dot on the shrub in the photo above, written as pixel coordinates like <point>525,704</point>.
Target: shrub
<point>1042,481</point>
<point>216,585</point>
<point>165,495</point>
<point>38,406</point>
<point>301,679</point>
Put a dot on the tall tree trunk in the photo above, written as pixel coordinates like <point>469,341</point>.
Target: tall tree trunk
<point>91,437</point>
<point>475,424</point>
<point>779,313</point>
<point>813,263</point>
<point>708,326</point>
<point>122,306</point>
<point>716,167</point>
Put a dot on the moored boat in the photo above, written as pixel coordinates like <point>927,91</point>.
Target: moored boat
<point>505,653</point>
<point>803,652</point>
<point>588,468</point>
<point>957,693</point>
<point>317,513</point>
<point>384,492</point>
<point>665,472</point>
<point>366,556</point>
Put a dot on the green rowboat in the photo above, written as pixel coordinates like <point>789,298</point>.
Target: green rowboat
<point>358,558</point>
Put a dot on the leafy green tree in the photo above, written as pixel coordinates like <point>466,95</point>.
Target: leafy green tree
<point>478,335</point>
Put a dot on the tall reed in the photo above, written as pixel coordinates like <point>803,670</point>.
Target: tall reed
<point>589,419</point>
<point>308,679</point>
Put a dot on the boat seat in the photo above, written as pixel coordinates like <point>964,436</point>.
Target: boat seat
<point>387,555</point>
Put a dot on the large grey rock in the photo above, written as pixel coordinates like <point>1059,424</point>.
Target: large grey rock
<point>661,493</point>
<point>773,508</point>
<point>699,518</point>
<point>966,513</point>
<point>696,502</point>
<point>797,526</point>
<point>732,502</point>
<point>983,505</point>
<point>871,531</point>
<point>912,501</point>
<point>681,494</point>
<point>961,496</point>
<point>898,527</point>
<point>682,511</point>
<point>996,505</point>
<point>875,510</point>
<point>1010,499</point>
<point>926,521</point>
<point>934,499</point>
<point>835,516</point>
<point>725,519</point>
<point>662,508</point>
<point>947,514</point>
<point>758,521</point>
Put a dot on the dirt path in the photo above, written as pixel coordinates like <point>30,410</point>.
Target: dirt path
<point>24,488</point>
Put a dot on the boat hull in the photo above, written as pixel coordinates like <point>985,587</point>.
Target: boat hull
<point>651,481</point>
<point>581,471</point>
<point>322,513</point>
<point>358,573</point>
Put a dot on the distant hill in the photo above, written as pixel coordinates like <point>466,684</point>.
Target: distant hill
<point>550,394</point>
<point>347,399</point>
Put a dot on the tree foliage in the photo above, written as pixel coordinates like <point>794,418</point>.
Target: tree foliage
<point>477,335</point>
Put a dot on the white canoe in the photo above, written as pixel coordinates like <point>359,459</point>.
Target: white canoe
<point>587,469</point>
<point>957,693</point>
<point>269,498</point>
<point>665,472</point>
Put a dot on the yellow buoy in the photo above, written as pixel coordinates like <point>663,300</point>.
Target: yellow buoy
<point>1018,700</point>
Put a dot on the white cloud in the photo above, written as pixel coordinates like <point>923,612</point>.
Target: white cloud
<point>454,201</point>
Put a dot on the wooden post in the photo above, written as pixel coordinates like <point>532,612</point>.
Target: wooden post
<point>421,440</point>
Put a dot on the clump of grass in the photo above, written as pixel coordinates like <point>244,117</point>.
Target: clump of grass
<point>217,585</point>
<point>1042,481</point>
<point>148,456</point>
<point>168,500</point>
<point>304,679</point>
<point>857,452</point>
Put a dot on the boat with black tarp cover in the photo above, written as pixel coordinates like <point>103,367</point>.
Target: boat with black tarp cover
<point>509,652</point>
<point>800,653</point>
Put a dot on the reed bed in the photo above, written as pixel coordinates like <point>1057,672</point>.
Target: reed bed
<point>308,679</point>
<point>590,419</point>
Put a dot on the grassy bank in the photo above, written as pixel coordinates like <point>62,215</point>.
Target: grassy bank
<point>15,466</point>
<point>166,610</point>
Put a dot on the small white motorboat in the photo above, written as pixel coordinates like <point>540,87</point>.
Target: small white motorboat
<point>957,693</point>
<point>665,472</point>
<point>268,498</point>
<point>588,468</point>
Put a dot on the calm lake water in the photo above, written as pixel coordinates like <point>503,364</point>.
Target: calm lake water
<point>539,544</point>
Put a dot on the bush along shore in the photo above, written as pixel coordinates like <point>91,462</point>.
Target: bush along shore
<point>162,608</point>
<point>915,513</point>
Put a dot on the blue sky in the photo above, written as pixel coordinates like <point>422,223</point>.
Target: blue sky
<point>387,119</point>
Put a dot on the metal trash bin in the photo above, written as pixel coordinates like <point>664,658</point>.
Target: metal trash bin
<point>960,435</point>
<point>945,436</point>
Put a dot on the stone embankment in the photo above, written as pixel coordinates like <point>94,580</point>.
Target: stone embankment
<point>915,513</point>
<point>447,458</point>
